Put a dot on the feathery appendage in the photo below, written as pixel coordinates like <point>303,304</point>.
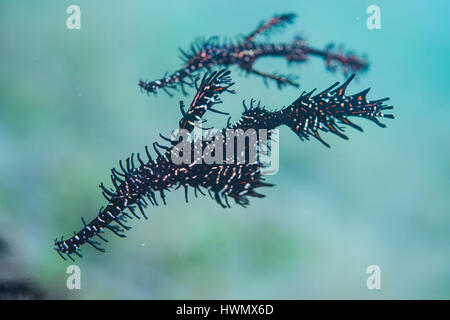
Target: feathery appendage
<point>244,52</point>
<point>139,183</point>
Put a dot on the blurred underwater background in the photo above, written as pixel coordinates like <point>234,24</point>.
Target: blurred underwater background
<point>70,109</point>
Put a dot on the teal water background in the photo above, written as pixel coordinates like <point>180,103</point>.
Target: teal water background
<point>70,108</point>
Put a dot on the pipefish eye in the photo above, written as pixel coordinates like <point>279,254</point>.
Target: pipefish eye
<point>58,247</point>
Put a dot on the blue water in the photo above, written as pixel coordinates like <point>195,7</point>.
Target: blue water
<point>70,108</point>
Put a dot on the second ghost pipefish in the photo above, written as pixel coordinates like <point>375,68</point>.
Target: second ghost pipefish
<point>244,52</point>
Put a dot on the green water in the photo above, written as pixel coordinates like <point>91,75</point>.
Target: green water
<point>70,108</point>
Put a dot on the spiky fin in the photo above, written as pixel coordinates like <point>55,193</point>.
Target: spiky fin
<point>269,25</point>
<point>310,114</point>
<point>207,96</point>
